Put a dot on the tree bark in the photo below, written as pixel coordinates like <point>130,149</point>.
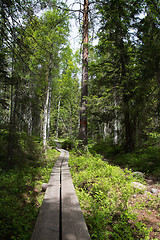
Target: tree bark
<point>115,134</point>
<point>84,84</point>
<point>59,104</point>
<point>129,138</point>
<point>49,112</point>
<point>45,111</point>
<point>30,120</point>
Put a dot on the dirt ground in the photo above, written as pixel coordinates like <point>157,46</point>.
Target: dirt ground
<point>149,202</point>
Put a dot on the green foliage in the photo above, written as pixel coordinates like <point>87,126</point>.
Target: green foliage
<point>104,192</point>
<point>25,148</point>
<point>146,159</point>
<point>68,144</point>
<point>21,195</point>
<point>65,113</point>
<point>124,73</point>
<point>106,148</point>
<point>32,53</point>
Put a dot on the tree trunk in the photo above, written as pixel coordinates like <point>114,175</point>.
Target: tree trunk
<point>128,133</point>
<point>84,85</point>
<point>129,139</point>
<point>71,122</point>
<point>45,111</point>
<point>115,133</point>
<point>49,112</point>
<point>11,129</point>
<point>59,104</point>
<point>30,120</point>
<point>158,104</point>
<point>12,108</point>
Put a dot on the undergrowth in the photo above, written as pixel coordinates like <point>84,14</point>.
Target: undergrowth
<point>104,192</point>
<point>146,159</point>
<point>20,190</point>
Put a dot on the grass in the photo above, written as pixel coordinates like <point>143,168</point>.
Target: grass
<point>20,190</point>
<point>109,202</point>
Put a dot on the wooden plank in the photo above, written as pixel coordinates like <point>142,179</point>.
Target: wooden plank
<point>73,223</point>
<point>47,224</point>
<point>73,226</point>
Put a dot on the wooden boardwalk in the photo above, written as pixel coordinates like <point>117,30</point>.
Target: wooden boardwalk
<point>60,216</point>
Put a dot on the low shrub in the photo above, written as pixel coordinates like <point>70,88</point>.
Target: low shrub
<point>67,144</point>
<point>146,159</point>
<point>21,195</point>
<point>104,192</point>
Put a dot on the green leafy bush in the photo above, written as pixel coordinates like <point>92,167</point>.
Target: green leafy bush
<point>21,195</point>
<point>146,159</point>
<point>104,192</point>
<point>67,144</point>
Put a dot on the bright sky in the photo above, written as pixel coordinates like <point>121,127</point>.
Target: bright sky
<point>74,35</point>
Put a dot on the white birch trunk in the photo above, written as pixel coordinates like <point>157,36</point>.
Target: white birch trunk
<point>30,120</point>
<point>45,111</point>
<point>59,104</point>
<point>45,119</point>
<point>71,122</point>
<point>49,112</point>
<point>115,123</point>
<point>104,131</point>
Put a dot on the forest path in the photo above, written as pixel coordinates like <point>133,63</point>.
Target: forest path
<point>60,216</point>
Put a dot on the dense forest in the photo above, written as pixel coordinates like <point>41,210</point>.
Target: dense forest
<point>103,98</point>
<point>40,90</point>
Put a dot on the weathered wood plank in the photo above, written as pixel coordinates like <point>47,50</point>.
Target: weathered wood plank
<point>73,223</point>
<point>68,222</point>
<point>47,224</point>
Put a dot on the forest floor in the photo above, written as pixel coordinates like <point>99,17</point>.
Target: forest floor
<point>149,213</point>
<point>112,207</point>
<point>22,195</point>
<point>149,202</point>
